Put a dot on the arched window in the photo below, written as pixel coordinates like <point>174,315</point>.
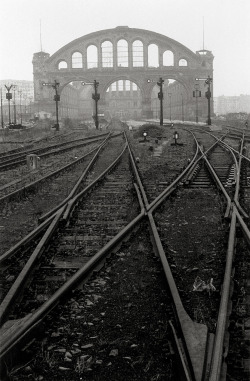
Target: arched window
<point>92,57</point>
<point>120,85</point>
<point>134,86</point>
<point>76,60</point>
<point>127,85</point>
<point>113,86</point>
<point>122,53</point>
<point>168,58</point>
<point>107,54</point>
<point>137,49</point>
<point>62,65</point>
<point>153,55</point>
<point>183,62</point>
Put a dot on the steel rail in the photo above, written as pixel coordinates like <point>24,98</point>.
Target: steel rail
<point>244,227</point>
<point>222,322</point>
<point>188,328</point>
<point>76,186</point>
<point>20,281</point>
<point>138,179</point>
<point>27,239</point>
<point>158,200</point>
<point>73,201</point>
<point>32,323</point>
<point>26,271</point>
<point>44,149</point>
<point>218,349</point>
<point>190,369</point>
<point>9,165</point>
<point>237,187</point>
<point>82,274</point>
<point>238,170</point>
<point>52,174</point>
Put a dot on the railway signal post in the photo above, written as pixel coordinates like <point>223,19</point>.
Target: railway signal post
<point>196,94</point>
<point>96,97</point>
<point>208,82</point>
<point>9,97</point>
<point>160,96</point>
<point>55,86</point>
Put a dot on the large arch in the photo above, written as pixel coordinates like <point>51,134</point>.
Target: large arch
<point>185,66</point>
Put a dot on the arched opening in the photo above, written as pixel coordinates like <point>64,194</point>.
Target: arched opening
<point>137,52</point>
<point>77,60</point>
<point>122,53</point>
<point>183,62</point>
<point>76,104</point>
<point>92,57</point>
<point>123,100</point>
<point>175,101</point>
<point>62,65</point>
<point>153,55</point>
<point>168,58</point>
<point>107,54</point>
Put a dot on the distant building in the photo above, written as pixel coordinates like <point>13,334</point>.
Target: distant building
<point>22,88</point>
<point>231,104</point>
<point>22,99</point>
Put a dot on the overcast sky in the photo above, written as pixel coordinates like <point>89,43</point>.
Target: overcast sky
<point>226,26</point>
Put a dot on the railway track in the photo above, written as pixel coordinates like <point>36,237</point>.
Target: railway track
<point>46,170</point>
<point>186,252</point>
<point>14,160</point>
